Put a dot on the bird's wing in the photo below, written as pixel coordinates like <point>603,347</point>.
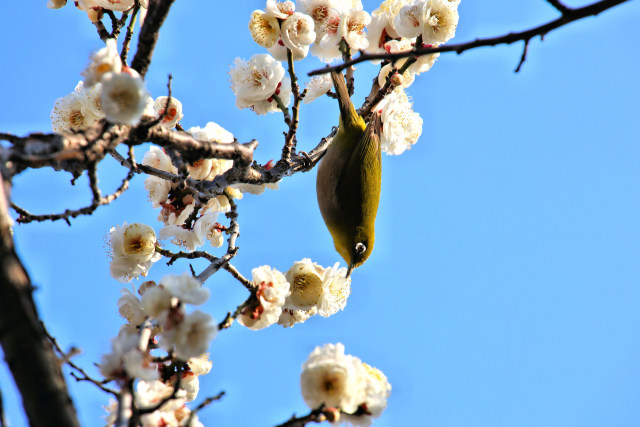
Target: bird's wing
<point>359,185</point>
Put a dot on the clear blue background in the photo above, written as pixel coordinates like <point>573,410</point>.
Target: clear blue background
<point>504,286</point>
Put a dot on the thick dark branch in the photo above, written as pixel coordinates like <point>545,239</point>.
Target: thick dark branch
<point>567,17</point>
<point>156,14</point>
<point>70,151</point>
<point>27,350</point>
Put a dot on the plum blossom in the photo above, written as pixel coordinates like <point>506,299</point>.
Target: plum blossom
<point>101,62</point>
<point>254,83</point>
<point>132,251</point>
<point>401,126</point>
<point>265,309</point>
<point>123,97</point>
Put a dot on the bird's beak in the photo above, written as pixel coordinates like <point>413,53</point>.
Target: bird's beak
<point>349,271</point>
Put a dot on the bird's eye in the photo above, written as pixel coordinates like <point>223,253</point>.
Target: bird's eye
<point>360,248</point>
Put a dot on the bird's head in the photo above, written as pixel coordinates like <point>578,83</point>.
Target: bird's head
<point>359,250</point>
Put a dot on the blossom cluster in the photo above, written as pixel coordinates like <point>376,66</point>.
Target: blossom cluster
<point>96,8</point>
<point>329,28</point>
<point>304,290</point>
<point>112,91</point>
<point>160,310</point>
<point>187,222</point>
<point>341,381</point>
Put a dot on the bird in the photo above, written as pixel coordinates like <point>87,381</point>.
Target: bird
<point>349,179</point>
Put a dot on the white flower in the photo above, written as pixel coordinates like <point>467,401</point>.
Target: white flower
<point>439,21</point>
<point>210,168</point>
<point>256,189</point>
<point>254,83</point>
<point>333,378</point>
<point>319,10</point>
<point>150,393</point>
<point>256,79</point>
<point>305,280</point>
<point>191,385</point>
<point>132,251</point>
<point>291,316</point>
<point>352,28</point>
<point>280,10</point>
<point>186,288</point>
<point>279,51</point>
<point>156,301</point>
<point>269,105</point>
<point>264,28</point>
<point>123,98</point>
<point>211,132</point>
<point>126,360</point>
<point>186,239</point>
<point>336,290</point>
<point>93,103</point>
<point>200,365</point>
<point>297,31</point>
<point>102,61</point>
<point>273,288</point>
<point>158,189</point>
<point>173,112</point>
<point>71,112</point>
<point>191,336</point>
<point>118,5</point>
<point>56,4</point>
<point>401,126</point>
<point>327,54</point>
<point>405,81</point>
<point>313,287</point>
<point>378,390</point>
<point>157,158</point>
<point>423,62</point>
<point>382,25</point>
<point>129,307</point>
<point>207,228</point>
<point>200,169</point>
<point>408,21</point>
<point>171,215</point>
<point>318,86</point>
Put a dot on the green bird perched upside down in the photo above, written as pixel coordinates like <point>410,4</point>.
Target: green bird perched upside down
<point>349,179</point>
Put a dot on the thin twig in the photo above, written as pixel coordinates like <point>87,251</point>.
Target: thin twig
<point>186,255</point>
<point>97,201</point>
<point>208,401</point>
<point>525,50</point>
<point>66,358</point>
<point>290,137</point>
<point>129,35</point>
<point>315,416</point>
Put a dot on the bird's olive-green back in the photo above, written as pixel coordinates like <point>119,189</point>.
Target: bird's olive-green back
<point>349,180</point>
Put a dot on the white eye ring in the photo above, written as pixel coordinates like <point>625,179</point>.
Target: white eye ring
<point>360,248</point>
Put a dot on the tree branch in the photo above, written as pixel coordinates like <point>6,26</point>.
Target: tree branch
<point>568,16</point>
<point>156,14</point>
<point>27,351</point>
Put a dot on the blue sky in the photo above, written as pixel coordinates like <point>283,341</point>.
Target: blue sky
<point>504,286</point>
